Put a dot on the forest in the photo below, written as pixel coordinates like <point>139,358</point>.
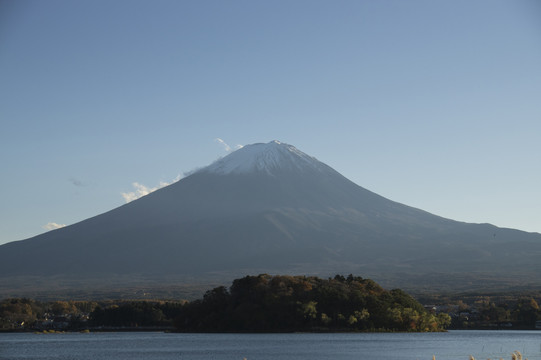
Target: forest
<point>122,315</point>
<point>266,303</point>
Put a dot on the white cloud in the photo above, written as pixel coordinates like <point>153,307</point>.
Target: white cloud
<point>227,147</point>
<point>142,190</point>
<point>53,226</point>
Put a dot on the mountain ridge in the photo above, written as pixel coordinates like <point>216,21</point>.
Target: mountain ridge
<point>272,208</point>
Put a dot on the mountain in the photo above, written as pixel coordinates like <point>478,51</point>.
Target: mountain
<point>270,208</point>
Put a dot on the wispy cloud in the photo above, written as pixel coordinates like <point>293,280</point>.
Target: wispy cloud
<point>193,171</point>
<point>53,226</point>
<point>226,145</point>
<point>76,182</point>
<point>142,190</point>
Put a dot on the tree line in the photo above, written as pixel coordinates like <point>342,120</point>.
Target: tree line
<point>262,303</point>
<point>28,314</point>
<point>519,313</point>
<point>278,304</point>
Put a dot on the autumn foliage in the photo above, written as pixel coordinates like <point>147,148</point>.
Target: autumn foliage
<point>266,303</point>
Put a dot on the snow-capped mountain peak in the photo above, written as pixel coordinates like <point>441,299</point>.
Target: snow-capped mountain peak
<point>261,157</point>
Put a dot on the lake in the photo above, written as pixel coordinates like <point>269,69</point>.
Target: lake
<point>456,345</point>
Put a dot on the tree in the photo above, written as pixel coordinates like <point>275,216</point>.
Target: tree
<point>299,303</point>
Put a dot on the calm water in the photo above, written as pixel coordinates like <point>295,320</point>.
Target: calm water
<point>153,346</point>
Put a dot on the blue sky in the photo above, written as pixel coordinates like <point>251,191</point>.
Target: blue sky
<point>435,104</point>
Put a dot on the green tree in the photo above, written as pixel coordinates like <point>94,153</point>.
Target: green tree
<point>299,303</point>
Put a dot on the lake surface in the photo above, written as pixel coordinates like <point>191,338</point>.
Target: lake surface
<point>456,345</point>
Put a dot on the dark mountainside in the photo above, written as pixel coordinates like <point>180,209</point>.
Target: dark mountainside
<point>269,208</point>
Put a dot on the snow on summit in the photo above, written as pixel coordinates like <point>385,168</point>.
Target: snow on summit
<point>264,157</point>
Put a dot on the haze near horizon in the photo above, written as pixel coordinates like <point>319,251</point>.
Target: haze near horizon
<point>434,105</point>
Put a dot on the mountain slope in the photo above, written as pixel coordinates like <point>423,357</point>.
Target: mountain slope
<point>271,208</point>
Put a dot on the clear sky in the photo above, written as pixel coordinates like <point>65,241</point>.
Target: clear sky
<point>434,104</point>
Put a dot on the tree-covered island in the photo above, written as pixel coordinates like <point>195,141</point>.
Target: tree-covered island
<point>266,303</point>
